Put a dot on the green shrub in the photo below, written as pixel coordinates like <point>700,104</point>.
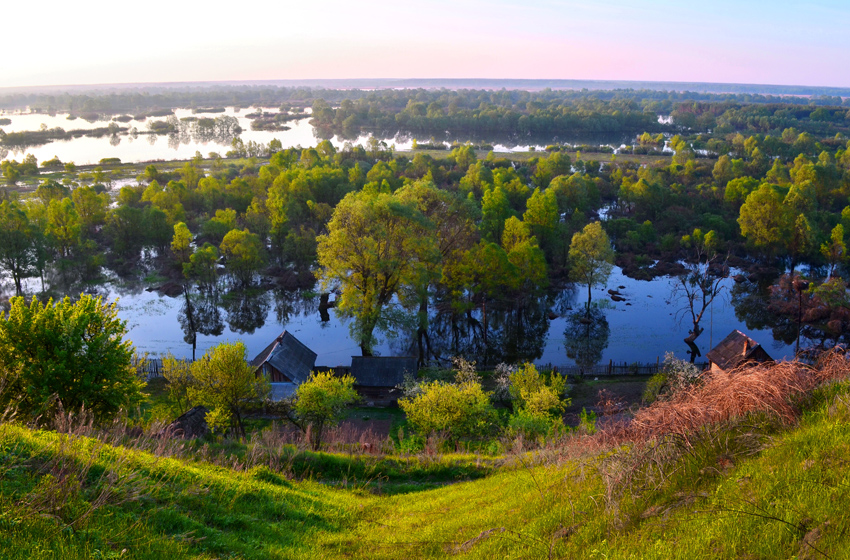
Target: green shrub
<point>457,410</point>
<point>68,352</point>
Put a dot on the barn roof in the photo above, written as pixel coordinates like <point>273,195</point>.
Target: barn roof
<point>374,371</point>
<point>289,356</point>
<point>736,349</point>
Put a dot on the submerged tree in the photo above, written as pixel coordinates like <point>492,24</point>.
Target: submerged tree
<point>591,257</point>
<point>701,283</point>
<point>372,248</point>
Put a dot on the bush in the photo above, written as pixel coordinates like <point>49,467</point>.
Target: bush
<point>322,400</point>
<point>226,384</point>
<point>68,352</point>
<point>538,403</point>
<point>459,410</point>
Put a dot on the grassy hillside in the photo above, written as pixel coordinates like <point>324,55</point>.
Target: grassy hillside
<point>751,487</point>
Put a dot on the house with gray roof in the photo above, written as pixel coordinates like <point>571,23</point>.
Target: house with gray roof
<point>286,362</point>
<point>736,350</point>
<point>375,377</point>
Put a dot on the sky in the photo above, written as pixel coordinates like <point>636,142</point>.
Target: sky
<point>743,41</point>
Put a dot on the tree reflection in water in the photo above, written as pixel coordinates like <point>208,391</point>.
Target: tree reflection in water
<point>751,301</point>
<point>246,310</point>
<point>199,315</point>
<point>289,303</point>
<point>515,333</point>
<point>586,336</point>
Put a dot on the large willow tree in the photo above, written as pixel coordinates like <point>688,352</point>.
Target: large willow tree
<point>376,243</point>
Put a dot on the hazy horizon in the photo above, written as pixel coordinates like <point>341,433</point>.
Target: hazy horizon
<point>757,42</point>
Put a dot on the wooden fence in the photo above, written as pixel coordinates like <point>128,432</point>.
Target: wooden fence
<point>152,368</point>
<point>616,368</point>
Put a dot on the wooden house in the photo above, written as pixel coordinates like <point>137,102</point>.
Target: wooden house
<point>736,350</point>
<point>286,362</point>
<point>375,377</point>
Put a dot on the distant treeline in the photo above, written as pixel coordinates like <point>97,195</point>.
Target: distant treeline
<point>141,99</point>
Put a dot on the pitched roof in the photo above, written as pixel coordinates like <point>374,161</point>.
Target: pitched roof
<point>289,356</point>
<point>374,371</point>
<point>736,349</point>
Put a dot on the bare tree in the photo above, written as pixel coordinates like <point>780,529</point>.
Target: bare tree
<point>700,284</point>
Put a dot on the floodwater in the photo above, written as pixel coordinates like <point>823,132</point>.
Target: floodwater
<point>641,329</point>
<point>131,148</point>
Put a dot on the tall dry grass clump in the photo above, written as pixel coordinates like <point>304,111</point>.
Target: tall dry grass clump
<point>721,396</point>
<point>705,427</point>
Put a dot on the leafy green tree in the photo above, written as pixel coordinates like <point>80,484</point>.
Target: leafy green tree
<point>538,402</point>
<point>125,228</point>
<point>181,243</point>
<point>178,374</point>
<point>91,208</point>
<point>737,190</point>
<point>68,352</point>
<point>158,229</point>
<point>202,266</point>
<point>321,401</point>
<point>17,252</point>
<point>591,257</point>
<point>762,219</point>
<point>63,226</point>
<point>216,228</point>
<point>369,252</point>
<point>243,255</point>
<point>834,250</point>
<point>799,241</point>
<point>542,215</point>
<point>226,384</point>
<point>495,209</point>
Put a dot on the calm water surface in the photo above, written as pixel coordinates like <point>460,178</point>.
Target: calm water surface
<point>641,329</point>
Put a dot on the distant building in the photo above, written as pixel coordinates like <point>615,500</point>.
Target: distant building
<point>286,362</point>
<point>736,350</point>
<point>376,377</point>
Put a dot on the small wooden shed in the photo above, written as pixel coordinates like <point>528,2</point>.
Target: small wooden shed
<point>736,350</point>
<point>287,363</point>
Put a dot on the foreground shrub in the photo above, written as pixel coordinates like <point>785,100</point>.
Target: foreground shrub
<point>226,384</point>
<point>68,352</point>
<point>322,400</point>
<point>460,410</point>
<point>538,402</point>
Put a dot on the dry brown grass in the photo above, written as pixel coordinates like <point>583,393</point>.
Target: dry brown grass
<point>772,389</point>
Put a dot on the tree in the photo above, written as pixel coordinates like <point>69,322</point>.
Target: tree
<point>202,266</point>
<point>71,353</point>
<point>762,218</point>
<point>538,402</point>
<point>799,240</point>
<point>17,253</point>
<point>91,207</point>
<point>701,283</point>
<point>178,374</point>
<point>63,226</point>
<point>226,384</point>
<point>370,251</point>
<point>181,243</point>
<point>495,209</point>
<point>834,250</point>
<point>243,255</point>
<point>320,401</point>
<point>591,257</point>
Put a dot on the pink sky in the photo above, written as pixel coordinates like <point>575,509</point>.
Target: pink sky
<point>751,42</point>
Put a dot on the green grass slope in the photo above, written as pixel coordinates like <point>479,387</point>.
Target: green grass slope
<point>751,488</point>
